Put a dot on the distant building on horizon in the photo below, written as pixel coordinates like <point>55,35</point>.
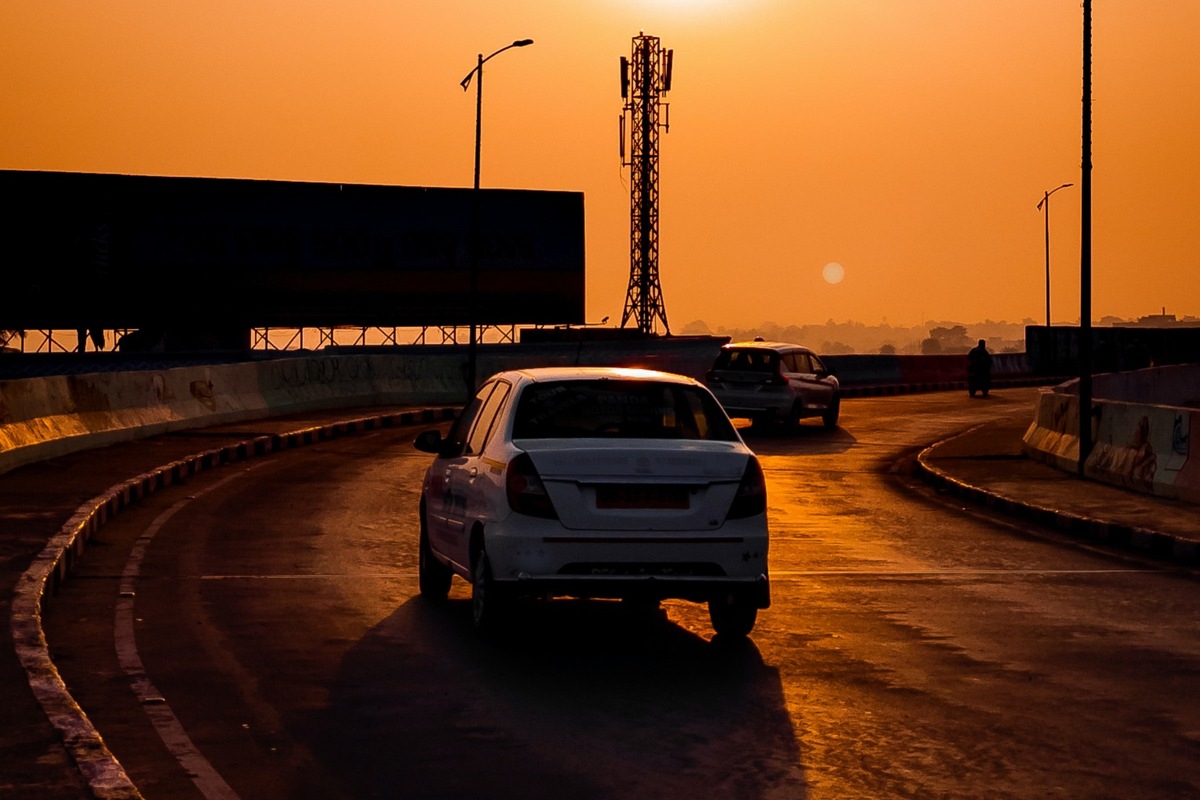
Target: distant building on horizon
<point>1165,320</point>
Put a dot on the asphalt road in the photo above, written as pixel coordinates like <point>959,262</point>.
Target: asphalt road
<point>257,633</point>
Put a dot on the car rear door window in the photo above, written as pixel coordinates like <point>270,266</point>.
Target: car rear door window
<point>456,438</point>
<point>487,419</point>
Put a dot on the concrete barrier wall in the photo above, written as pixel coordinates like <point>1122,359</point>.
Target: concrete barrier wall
<point>1053,436</point>
<point>1147,448</point>
<point>1146,445</point>
<point>50,416</point>
<point>1169,386</point>
<point>46,417</point>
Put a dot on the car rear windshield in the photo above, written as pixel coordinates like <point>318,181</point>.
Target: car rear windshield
<point>748,360</point>
<point>619,408</point>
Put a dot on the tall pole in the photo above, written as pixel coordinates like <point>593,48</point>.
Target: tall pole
<point>1085,253</point>
<point>473,283</point>
<point>1045,201</point>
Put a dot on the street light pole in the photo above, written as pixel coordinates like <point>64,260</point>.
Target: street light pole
<point>1085,253</point>
<point>1045,201</point>
<point>473,287</point>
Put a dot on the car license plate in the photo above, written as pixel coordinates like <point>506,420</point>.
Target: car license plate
<point>639,496</point>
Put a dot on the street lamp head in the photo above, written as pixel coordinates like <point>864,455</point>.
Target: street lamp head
<point>1046,196</point>
<point>466,82</point>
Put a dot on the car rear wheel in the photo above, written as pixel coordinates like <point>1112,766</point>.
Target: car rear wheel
<point>830,417</point>
<point>433,577</point>
<point>732,616</point>
<point>761,421</point>
<point>795,416</point>
<point>487,606</point>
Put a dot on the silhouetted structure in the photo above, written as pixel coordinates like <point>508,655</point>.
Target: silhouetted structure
<point>203,261</point>
<point>1055,351</point>
<point>644,79</point>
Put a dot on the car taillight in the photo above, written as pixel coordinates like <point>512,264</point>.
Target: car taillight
<point>526,492</point>
<point>751,497</point>
<point>777,377</point>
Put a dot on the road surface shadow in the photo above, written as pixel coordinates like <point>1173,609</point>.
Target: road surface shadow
<point>578,699</point>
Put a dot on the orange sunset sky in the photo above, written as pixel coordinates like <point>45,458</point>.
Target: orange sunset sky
<point>907,140</point>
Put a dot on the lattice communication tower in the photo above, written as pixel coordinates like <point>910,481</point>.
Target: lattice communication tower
<point>645,78</point>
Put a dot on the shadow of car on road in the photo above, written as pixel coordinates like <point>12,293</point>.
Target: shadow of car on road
<point>581,699</point>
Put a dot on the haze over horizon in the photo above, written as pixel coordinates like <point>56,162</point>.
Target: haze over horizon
<point>907,142</point>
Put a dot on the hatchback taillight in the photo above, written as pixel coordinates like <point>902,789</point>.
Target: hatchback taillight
<point>526,492</point>
<point>751,497</point>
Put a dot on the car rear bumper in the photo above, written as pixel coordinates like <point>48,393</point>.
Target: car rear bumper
<point>752,404</point>
<point>538,556</point>
<point>751,412</point>
<point>654,587</point>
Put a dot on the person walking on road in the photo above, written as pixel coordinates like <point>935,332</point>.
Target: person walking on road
<point>979,369</point>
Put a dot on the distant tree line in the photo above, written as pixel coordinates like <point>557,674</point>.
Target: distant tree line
<point>842,338</point>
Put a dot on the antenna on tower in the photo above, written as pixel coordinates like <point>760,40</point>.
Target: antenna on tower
<point>645,78</point>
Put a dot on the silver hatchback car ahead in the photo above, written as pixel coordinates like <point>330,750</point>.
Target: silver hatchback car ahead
<point>774,382</point>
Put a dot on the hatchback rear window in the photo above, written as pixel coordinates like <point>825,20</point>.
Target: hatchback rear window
<point>616,408</point>
<point>748,360</point>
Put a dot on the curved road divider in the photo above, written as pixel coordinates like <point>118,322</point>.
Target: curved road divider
<point>1080,526</point>
<point>106,778</point>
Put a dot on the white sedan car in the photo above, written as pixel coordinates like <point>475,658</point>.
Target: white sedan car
<point>595,482</point>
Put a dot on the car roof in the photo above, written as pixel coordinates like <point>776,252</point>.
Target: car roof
<point>762,345</point>
<point>539,374</point>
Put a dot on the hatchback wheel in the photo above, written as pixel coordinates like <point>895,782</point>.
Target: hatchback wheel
<point>732,616</point>
<point>487,606</point>
<point>433,577</point>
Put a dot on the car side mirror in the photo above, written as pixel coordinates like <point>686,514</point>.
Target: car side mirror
<point>429,441</point>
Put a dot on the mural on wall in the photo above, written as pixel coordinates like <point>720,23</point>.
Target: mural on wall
<point>1142,447</point>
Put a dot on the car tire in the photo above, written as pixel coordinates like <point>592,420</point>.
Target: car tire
<point>830,417</point>
<point>795,416</point>
<point>487,605</point>
<point>433,577</point>
<point>732,616</point>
